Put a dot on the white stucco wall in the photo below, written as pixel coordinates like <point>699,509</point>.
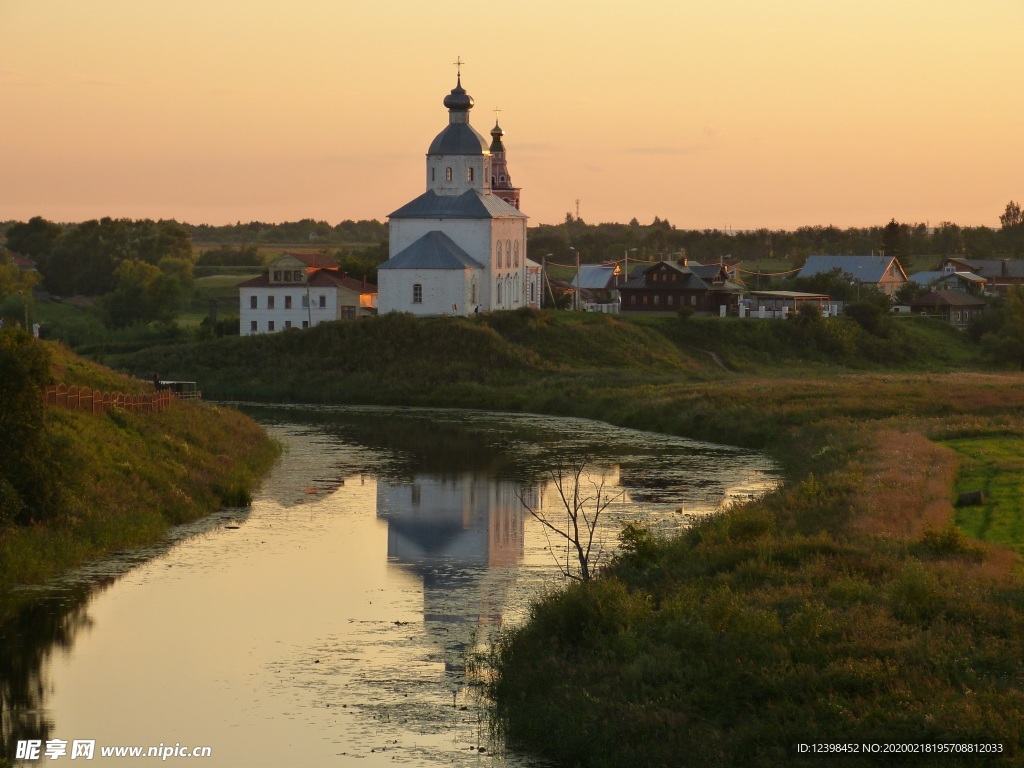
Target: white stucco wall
<point>297,315</point>
<point>442,288</point>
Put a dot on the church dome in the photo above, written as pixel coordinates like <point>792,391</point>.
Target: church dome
<point>458,99</point>
<point>496,134</point>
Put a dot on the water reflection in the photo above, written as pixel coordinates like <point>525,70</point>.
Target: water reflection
<point>337,615</point>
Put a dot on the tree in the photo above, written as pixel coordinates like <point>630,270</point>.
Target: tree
<point>1007,344</point>
<point>28,480</point>
<point>894,239</point>
<point>1013,215</point>
<point>143,293</point>
<point>580,526</point>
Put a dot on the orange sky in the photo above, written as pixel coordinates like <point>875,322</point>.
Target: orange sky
<point>710,113</point>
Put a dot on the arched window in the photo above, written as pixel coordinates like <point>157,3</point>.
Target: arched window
<point>469,173</point>
<point>432,173</point>
<point>508,253</point>
<point>417,293</point>
<point>472,292</point>
<point>533,292</point>
<point>517,294</point>
<point>516,251</point>
<point>497,254</point>
<point>497,293</point>
<point>447,174</point>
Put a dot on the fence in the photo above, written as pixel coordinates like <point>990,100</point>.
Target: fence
<point>86,399</point>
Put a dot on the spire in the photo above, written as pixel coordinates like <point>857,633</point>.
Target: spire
<point>458,100</point>
<point>496,134</point>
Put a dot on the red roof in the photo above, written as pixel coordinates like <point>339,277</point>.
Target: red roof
<point>318,278</point>
<point>315,260</point>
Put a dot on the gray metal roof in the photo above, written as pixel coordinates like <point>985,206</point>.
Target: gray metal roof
<point>435,250</point>
<point>469,205</point>
<point>595,277</point>
<point>927,278</point>
<point>867,269</point>
<point>458,139</point>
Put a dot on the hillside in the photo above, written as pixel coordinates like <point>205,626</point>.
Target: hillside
<point>113,480</point>
<point>529,358</point>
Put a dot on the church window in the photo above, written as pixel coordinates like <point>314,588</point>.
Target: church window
<point>432,173</point>
<point>417,293</point>
<point>492,181</point>
<point>502,179</point>
<point>497,252</point>
<point>518,294</point>
<point>516,251</point>
<point>508,253</point>
<point>252,302</point>
<point>533,292</point>
<point>497,293</point>
<point>472,292</point>
<point>469,173</point>
<point>447,174</point>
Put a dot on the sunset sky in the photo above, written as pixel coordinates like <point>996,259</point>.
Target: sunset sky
<point>710,113</point>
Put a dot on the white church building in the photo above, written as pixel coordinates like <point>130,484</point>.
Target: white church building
<point>460,247</point>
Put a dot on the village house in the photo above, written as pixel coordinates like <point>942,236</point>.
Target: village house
<point>954,307</point>
<point>949,279</point>
<point>882,272</point>
<point>302,290</point>
<point>999,274</point>
<point>668,285</point>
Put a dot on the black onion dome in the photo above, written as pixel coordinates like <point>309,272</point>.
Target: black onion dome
<point>458,100</point>
<point>496,134</point>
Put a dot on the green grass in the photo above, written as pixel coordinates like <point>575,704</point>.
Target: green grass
<point>995,466</point>
<point>222,288</point>
<point>126,477</point>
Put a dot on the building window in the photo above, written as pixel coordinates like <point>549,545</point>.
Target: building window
<point>517,295</point>
<point>252,302</point>
<point>508,253</point>
<point>469,173</point>
<point>472,292</point>
<point>656,299</point>
<point>270,302</point>
<point>305,301</point>
<point>533,292</point>
<point>297,276</point>
<point>693,300</point>
<point>670,300</point>
<point>448,174</point>
<point>497,254</point>
<point>632,299</point>
<point>323,301</point>
<point>277,276</point>
<point>645,300</point>
<point>502,179</point>
<point>287,302</point>
<point>498,293</point>
<point>270,325</point>
<point>348,313</point>
<point>287,323</point>
<point>417,293</point>
<point>252,326</point>
<point>305,323</point>
<point>516,251</point>
<point>432,174</point>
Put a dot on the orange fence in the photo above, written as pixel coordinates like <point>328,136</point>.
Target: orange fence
<point>86,399</point>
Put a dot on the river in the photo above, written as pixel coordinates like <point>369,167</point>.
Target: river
<point>342,618</point>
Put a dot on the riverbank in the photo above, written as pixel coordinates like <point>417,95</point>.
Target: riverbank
<point>122,479</point>
<point>844,608</point>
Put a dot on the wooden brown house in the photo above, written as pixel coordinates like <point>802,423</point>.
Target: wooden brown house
<point>668,285</point>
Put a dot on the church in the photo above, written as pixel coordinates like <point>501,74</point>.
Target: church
<point>460,247</point>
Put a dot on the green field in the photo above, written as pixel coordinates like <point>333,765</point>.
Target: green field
<point>995,466</point>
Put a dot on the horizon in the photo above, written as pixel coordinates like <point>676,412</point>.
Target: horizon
<point>735,117</point>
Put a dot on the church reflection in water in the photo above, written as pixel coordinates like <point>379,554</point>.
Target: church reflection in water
<point>462,534</point>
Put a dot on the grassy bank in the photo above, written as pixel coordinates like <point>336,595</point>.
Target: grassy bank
<point>124,478</point>
<point>844,608</point>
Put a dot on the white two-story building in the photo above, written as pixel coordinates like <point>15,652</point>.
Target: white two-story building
<point>301,291</point>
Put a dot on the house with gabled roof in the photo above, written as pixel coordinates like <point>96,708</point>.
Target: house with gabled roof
<point>999,274</point>
<point>883,272</point>
<point>302,290</point>
<point>666,286</point>
<point>954,307</point>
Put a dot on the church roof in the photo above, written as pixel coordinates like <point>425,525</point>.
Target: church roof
<point>458,139</point>
<point>435,250</point>
<point>471,204</point>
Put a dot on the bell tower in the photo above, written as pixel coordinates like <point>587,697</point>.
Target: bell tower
<point>501,180</point>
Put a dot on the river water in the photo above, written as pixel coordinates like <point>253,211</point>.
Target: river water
<point>342,618</point>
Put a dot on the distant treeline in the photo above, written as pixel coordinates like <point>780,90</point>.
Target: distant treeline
<point>600,242</point>
<point>365,232</point>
